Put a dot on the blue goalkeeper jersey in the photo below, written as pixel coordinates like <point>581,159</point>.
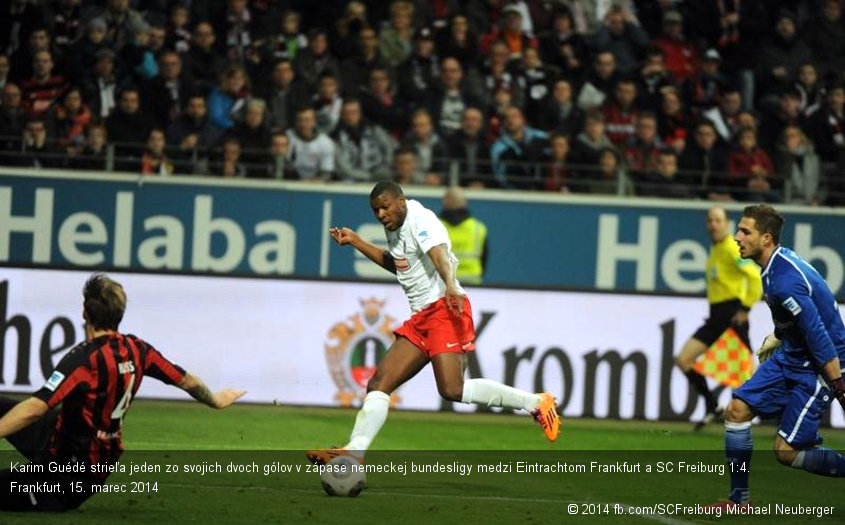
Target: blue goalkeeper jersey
<point>804,312</point>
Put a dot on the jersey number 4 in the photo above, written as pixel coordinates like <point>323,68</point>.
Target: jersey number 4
<point>125,401</point>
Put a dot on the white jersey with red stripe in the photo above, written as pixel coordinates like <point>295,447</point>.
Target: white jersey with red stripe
<point>409,246</point>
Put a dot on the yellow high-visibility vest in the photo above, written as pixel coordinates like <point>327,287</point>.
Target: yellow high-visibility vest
<point>468,244</point>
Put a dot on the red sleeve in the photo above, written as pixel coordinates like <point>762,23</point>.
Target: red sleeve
<point>72,374</point>
<point>159,367</point>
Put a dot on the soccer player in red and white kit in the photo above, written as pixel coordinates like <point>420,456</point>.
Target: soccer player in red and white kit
<point>95,383</point>
<point>440,331</point>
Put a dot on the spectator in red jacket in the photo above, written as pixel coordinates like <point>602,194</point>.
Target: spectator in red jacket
<point>750,169</point>
<point>680,55</point>
<point>620,113</point>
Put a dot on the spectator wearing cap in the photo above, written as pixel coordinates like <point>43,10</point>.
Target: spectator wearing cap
<point>781,56</point>
<point>82,53</point>
<point>599,83</point>
<point>701,90</point>
<point>120,20</point>
<point>43,88</point>
<point>825,35</point>
<point>622,36</point>
<point>560,113</point>
<point>680,55</point>
<point>167,93</point>
<point>99,89</point>
<point>518,154</point>
<point>453,94</point>
<point>285,94</point>
<point>775,119</point>
<point>316,59</point>
<point>396,38</point>
<point>459,42</point>
<point>431,151</point>
<point>201,61</point>
<point>420,73</point>
<point>563,47</point>
<point>355,71</point>
<point>511,33</point>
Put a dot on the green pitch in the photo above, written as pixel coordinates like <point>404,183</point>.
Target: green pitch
<point>187,434</point>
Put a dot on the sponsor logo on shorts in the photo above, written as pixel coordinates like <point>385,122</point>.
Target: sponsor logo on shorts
<point>792,305</point>
<point>54,381</point>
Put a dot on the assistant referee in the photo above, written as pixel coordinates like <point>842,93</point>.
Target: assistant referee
<point>733,286</point>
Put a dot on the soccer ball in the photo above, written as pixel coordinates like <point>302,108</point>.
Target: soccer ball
<point>344,476</point>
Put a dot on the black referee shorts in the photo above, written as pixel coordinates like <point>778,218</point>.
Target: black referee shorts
<point>719,321</point>
<point>33,491</point>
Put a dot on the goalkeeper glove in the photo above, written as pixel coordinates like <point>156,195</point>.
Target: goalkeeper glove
<point>770,344</point>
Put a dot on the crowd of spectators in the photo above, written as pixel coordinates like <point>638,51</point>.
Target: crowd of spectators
<point>712,99</point>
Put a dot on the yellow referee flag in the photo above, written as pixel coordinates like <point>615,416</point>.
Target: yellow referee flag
<point>728,360</point>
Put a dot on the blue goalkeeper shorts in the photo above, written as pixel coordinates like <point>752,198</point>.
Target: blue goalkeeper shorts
<point>799,397</point>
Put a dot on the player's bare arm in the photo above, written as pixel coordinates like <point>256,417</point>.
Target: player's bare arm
<point>381,257</point>
<point>454,298</point>
<point>22,415</point>
<point>195,386</point>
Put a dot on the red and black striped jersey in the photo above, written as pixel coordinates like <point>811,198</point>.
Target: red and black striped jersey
<point>95,383</point>
<point>38,97</point>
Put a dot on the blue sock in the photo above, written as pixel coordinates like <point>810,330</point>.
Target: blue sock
<point>738,447</point>
<point>821,460</point>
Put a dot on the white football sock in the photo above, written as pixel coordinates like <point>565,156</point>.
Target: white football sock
<point>494,394</point>
<point>370,419</point>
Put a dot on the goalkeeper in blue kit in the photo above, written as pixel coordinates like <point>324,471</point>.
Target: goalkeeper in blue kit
<point>802,362</point>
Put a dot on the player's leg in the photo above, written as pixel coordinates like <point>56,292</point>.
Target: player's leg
<point>402,362</point>
<point>798,435</point>
<point>765,394</point>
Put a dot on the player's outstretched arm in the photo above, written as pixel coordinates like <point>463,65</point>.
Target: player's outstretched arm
<point>454,298</point>
<point>195,386</point>
<point>381,257</point>
<point>22,415</point>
